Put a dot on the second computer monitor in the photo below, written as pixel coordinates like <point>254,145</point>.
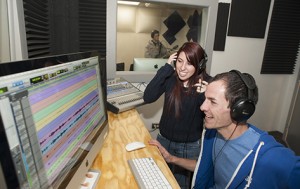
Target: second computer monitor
<point>148,64</point>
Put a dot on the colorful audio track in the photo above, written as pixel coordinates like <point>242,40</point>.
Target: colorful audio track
<point>62,125</point>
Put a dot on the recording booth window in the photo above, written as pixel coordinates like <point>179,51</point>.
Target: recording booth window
<point>159,16</point>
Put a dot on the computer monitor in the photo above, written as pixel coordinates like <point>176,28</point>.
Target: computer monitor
<point>148,64</point>
<point>53,120</point>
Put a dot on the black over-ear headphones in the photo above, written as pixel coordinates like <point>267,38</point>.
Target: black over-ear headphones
<point>244,108</point>
<point>203,61</point>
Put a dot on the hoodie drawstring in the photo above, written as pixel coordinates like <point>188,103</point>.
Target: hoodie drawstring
<point>238,168</point>
<point>253,165</point>
<point>199,158</point>
<point>252,169</point>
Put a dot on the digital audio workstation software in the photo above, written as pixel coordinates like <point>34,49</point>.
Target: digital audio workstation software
<point>47,114</point>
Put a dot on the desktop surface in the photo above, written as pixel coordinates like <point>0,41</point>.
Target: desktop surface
<point>112,160</point>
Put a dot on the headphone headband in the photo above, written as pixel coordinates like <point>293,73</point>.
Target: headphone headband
<point>244,108</point>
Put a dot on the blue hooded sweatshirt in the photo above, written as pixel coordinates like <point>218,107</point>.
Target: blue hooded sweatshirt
<point>268,165</point>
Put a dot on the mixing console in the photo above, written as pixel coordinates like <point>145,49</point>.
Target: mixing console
<point>122,95</point>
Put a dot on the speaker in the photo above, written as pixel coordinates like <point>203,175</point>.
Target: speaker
<point>244,108</point>
<point>203,61</point>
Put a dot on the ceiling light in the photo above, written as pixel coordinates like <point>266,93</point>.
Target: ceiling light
<point>128,2</point>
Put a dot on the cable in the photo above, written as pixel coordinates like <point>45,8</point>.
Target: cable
<point>222,146</point>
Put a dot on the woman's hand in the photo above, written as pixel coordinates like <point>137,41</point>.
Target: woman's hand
<point>201,86</point>
<point>172,58</point>
<point>167,156</point>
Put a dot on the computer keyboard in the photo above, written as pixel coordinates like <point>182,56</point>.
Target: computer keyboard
<point>147,173</point>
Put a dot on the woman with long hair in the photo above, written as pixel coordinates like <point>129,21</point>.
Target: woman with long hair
<point>183,85</point>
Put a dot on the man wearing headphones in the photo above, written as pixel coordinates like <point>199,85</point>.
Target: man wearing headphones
<point>154,48</point>
<point>234,153</point>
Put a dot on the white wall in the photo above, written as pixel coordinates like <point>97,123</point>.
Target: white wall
<point>13,35</point>
<point>150,113</point>
<point>4,37</point>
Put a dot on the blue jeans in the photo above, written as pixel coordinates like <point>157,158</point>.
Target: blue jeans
<point>189,150</point>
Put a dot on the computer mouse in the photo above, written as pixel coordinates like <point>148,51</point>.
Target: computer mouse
<point>134,146</point>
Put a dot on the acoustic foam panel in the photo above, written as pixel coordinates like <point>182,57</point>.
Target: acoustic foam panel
<point>248,18</point>
<point>221,26</point>
<point>194,23</point>
<point>169,37</point>
<point>174,24</point>
<point>282,47</point>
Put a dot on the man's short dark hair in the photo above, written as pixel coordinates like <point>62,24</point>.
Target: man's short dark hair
<point>235,87</point>
<point>153,33</point>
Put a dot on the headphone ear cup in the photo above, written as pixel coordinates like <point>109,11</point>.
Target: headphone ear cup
<point>200,64</point>
<point>242,110</point>
<point>203,61</point>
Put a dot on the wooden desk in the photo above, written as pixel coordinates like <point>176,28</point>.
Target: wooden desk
<point>112,159</point>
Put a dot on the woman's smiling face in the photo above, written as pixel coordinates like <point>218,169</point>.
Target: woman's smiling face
<point>184,68</point>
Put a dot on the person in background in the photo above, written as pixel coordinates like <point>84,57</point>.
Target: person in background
<point>181,122</point>
<point>154,48</point>
<point>234,153</point>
